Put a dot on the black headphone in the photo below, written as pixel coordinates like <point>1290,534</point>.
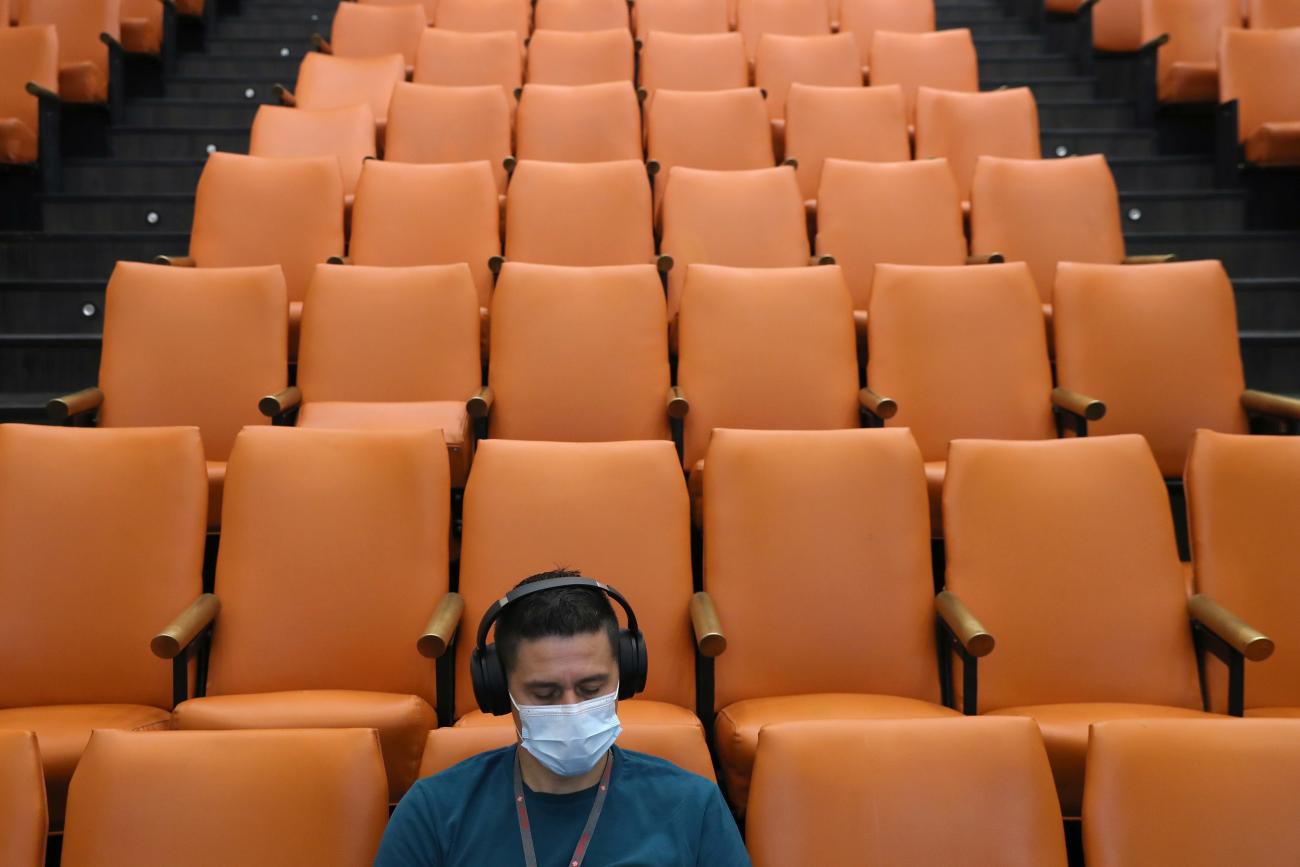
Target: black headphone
<point>488,674</point>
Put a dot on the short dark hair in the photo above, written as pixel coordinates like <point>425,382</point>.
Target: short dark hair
<point>561,611</point>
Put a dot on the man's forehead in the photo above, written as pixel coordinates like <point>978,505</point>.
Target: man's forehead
<point>568,654</point>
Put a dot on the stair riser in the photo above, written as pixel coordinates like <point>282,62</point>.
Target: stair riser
<point>55,257</point>
<point>1085,116</point>
<point>286,47</point>
<point>944,15</point>
<point>51,309</point>
<point>290,30</point>
<point>1272,366</point>
<point>173,114</point>
<point>1158,176</point>
<point>251,69</point>
<point>165,144</point>
<point>1183,214</point>
<point>226,90</point>
<point>54,370</point>
<point>1244,256</point>
<point>133,214</point>
<point>1269,309</point>
<point>1027,68</point>
<point>1015,45</point>
<point>1108,142</point>
<point>140,180</point>
<point>1048,90</point>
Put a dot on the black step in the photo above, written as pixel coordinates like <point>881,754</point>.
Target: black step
<point>965,12</point>
<point>276,47</point>
<point>51,306</point>
<point>1008,45</point>
<point>1244,254</point>
<point>161,213</point>
<point>82,256</point>
<point>1067,88</point>
<point>1028,67</point>
<point>183,143</point>
<point>91,177</point>
<point>1272,360</point>
<point>25,407</point>
<point>1183,211</point>
<point>1163,173</point>
<point>1111,142</point>
<point>207,66</point>
<point>238,28</point>
<point>984,26</point>
<point>189,112</point>
<point>1086,113</point>
<point>48,370</point>
<point>1265,303</point>
<point>226,88</point>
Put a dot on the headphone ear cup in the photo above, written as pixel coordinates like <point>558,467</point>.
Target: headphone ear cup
<point>489,681</point>
<point>632,663</point>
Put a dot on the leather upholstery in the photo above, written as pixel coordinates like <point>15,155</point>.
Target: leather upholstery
<point>1241,519</point>
<point>214,795</point>
<point>364,30</point>
<point>864,124</point>
<point>583,124</point>
<point>83,58</point>
<point>580,14</point>
<point>193,346</point>
<point>579,214</point>
<point>745,219</point>
<point>756,18</point>
<point>869,792</point>
<point>268,211</point>
<point>485,16</point>
<point>23,819</point>
<point>921,226</point>
<point>393,225</point>
<point>944,60</point>
<point>1187,66</point>
<point>326,81</point>
<point>1268,116</point>
<point>1272,14</point>
<point>1224,791</point>
<point>830,60</point>
<point>692,61</point>
<point>1019,209</point>
<point>862,18</point>
<point>26,54</point>
<point>461,59</point>
<point>430,6</point>
<point>440,124</point>
<point>681,16</point>
<point>579,354</point>
<point>347,133</point>
<point>767,349</point>
<point>962,127</point>
<point>617,512</point>
<point>1158,344</point>
<point>446,416</point>
<point>578,57</point>
<point>1117,26</point>
<point>142,26</point>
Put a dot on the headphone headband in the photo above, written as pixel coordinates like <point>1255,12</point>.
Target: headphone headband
<point>495,609</point>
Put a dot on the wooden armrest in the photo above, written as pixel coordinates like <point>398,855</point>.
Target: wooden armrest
<point>678,405</point>
<point>339,260</point>
<point>652,167</point>
<point>281,402</point>
<point>664,263</point>
<point>480,403</point>
<point>65,407</point>
<point>985,259</point>
<point>110,41</point>
<point>495,263</point>
<point>175,261</point>
<point>321,44</point>
<point>40,92</point>
<point>878,405</point>
<point>1241,636</point>
<point>285,95</point>
<point>1150,259</point>
<point>1267,403</point>
<point>708,628</point>
<point>437,636</point>
<point>965,628</point>
<point>1154,43</point>
<point>821,259</point>
<point>173,640</point>
<point>1078,404</point>
<point>791,162</point>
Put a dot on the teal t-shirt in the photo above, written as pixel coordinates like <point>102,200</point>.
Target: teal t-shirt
<point>655,814</point>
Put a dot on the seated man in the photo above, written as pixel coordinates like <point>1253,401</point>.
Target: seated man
<point>559,665</point>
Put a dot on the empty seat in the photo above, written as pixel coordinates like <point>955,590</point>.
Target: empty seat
<point>580,14</point>
<point>579,214</point>
<point>1063,544</point>
<point>747,219</point>
<point>905,213</point>
<point>391,348</point>
<point>253,798</point>
<point>829,60</point>
<point>363,30</point>
<point>1242,511</point>
<point>766,349</point>
<point>485,16</point>
<point>333,554</point>
<point>1224,789</point>
<point>450,57</point>
<point>944,60</point>
<point>142,26</point>
<point>862,18</point>
<point>1187,66</point>
<point>189,347</point>
<point>583,124</point>
<point>112,519</point>
<point>1161,375</point>
<point>580,57</point>
<point>1117,26</point>
<point>962,127</point>
<point>846,511</point>
<point>756,18</point>
<point>326,81</point>
<point>23,815</point>
<point>561,336</point>
<point>436,124</point>
<point>1268,115</point>
<point>27,54</point>
<point>393,222</point>
<point>848,123</point>
<point>936,791</point>
<point>1042,212</point>
<point>83,56</point>
<point>347,133</point>
<point>681,16</point>
<point>1273,14</point>
<point>692,61</point>
<point>430,6</point>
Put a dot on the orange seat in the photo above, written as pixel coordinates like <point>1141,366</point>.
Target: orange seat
<point>561,336</point>
<point>23,815</point>
<point>26,54</point>
<point>944,60</point>
<point>394,225</point>
<point>452,58</point>
<point>430,6</point>
<point>1224,789</point>
<point>747,219</point>
<point>363,30</point>
<point>485,16</point>
<point>1268,116</point>
<point>905,213</point>
<point>326,81</point>
<point>1116,27</point>
<point>962,127</point>
<point>333,553</point>
<point>1046,211</point>
<point>583,124</point>
<point>142,26</point>
<point>579,214</point>
<point>347,133</point>
<point>846,511</point>
<point>904,792</point>
<point>83,57</point>
<point>866,124</point>
<point>251,798</point>
<point>680,16</point>
<point>1061,545</point>
<point>101,538</point>
<point>581,14</point>
<point>1187,66</point>
<point>395,347</point>
<point>580,57</point>
<point>829,60</point>
<point>862,18</point>
<point>756,18</point>
<point>692,61</point>
<point>1273,14</point>
<point>437,124</point>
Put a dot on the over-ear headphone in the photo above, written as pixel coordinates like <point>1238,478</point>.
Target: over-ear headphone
<point>488,673</point>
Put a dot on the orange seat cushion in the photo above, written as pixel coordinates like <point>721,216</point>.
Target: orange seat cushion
<point>82,82</point>
<point>1065,733</point>
<point>142,36</point>
<point>1274,144</point>
<point>1193,82</point>
<point>1276,712</point>
<point>403,721</point>
<point>62,732</point>
<point>737,726</point>
<point>18,141</point>
<point>449,416</point>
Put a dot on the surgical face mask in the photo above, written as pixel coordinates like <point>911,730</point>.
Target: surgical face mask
<point>569,739</point>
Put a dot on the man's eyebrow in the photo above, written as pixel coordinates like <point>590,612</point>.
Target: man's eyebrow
<point>542,684</point>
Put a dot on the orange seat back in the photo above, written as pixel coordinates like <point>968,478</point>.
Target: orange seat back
<point>486,16</point>
<point>782,17</point>
<point>583,124</point>
<point>692,61</point>
<point>866,124</point>
<point>962,127</point>
<point>347,133</point>
<point>830,60</point>
<point>944,59</point>
<point>1273,14</point>
<point>326,81</point>
<point>26,54</point>
<point>681,16</point>
<point>363,30</point>
<point>79,24</point>
<point>439,124</point>
<point>581,14</point>
<point>862,18</point>
<point>457,59</point>
<point>580,57</point>
<point>430,6</point>
<point>24,818</point>
<point>1248,65</point>
<point>1194,28</point>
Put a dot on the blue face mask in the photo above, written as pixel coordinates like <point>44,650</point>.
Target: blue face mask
<point>569,739</point>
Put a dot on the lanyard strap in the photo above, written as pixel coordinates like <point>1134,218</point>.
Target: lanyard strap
<point>525,832</point>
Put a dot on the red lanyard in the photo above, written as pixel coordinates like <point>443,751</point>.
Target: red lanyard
<point>525,833</point>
